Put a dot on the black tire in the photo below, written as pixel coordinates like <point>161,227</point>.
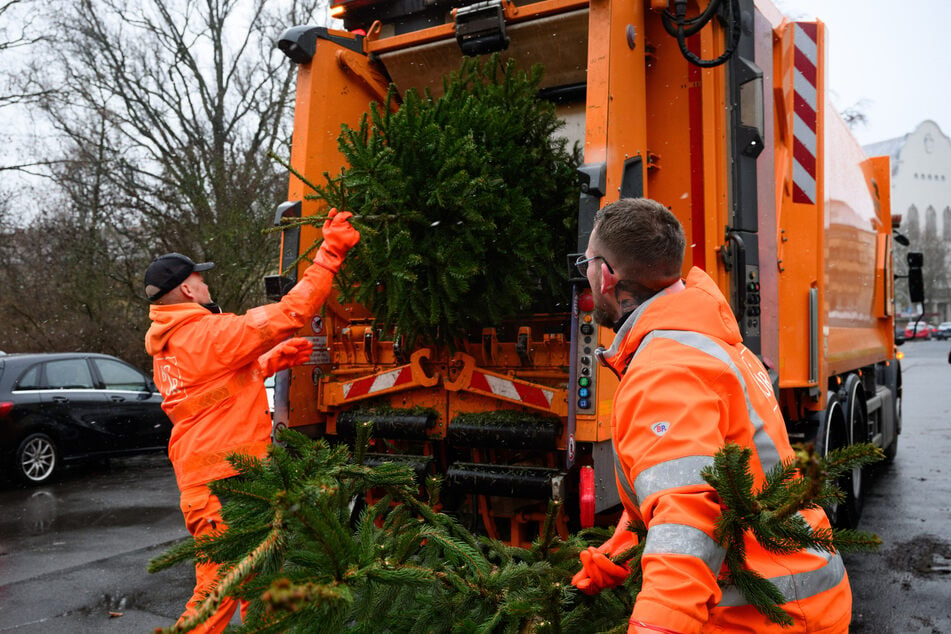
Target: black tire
<point>893,380</point>
<point>834,434</point>
<point>891,451</point>
<point>37,459</point>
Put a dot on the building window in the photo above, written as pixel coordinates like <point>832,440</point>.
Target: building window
<point>911,223</point>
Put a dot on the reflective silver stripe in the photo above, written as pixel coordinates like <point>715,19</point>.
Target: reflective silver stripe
<point>680,472</point>
<point>765,447</point>
<point>622,475</point>
<point>680,539</point>
<point>796,587</point>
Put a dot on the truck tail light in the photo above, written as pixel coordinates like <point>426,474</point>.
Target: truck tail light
<point>586,491</point>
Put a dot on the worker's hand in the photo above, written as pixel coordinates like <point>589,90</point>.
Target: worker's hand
<point>598,572</point>
<point>339,237</point>
<point>621,540</point>
<point>286,354</point>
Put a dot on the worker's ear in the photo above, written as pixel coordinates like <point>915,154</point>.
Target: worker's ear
<point>187,291</point>
<point>608,278</point>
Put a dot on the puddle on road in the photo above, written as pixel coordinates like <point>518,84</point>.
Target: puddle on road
<point>924,555</point>
<point>42,513</point>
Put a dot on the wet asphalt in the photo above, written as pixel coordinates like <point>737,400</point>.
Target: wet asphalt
<point>73,554</point>
<point>905,588</point>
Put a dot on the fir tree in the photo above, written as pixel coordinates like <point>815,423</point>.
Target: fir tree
<point>306,562</point>
<point>466,204</point>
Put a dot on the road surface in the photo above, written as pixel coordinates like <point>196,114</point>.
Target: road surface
<point>73,555</point>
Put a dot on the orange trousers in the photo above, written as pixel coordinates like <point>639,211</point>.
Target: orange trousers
<point>202,511</point>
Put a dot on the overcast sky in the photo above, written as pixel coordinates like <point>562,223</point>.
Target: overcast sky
<point>894,54</point>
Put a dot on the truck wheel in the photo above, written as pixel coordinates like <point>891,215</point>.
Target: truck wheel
<point>891,450</point>
<point>834,434</point>
<point>37,459</point>
<point>856,407</point>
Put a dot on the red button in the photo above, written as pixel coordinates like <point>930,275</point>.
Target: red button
<point>585,301</point>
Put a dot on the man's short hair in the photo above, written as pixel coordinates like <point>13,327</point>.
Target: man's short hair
<point>642,238</point>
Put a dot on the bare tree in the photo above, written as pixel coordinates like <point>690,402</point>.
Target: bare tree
<point>193,96</point>
<point>855,115</point>
<point>165,111</point>
<point>19,34</point>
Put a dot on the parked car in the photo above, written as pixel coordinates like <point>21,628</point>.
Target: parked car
<point>921,330</point>
<point>943,331</point>
<point>64,407</point>
<point>269,390</point>
<point>899,335</point>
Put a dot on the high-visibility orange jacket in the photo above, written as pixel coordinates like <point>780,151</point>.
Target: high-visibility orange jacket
<point>206,367</point>
<point>689,386</point>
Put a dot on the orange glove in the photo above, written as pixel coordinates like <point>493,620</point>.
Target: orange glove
<point>339,237</point>
<point>597,570</point>
<point>286,354</point>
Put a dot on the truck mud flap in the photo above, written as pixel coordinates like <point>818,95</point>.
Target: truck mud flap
<point>502,431</point>
<point>397,426</point>
<point>537,483</point>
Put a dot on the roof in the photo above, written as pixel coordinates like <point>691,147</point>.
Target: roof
<point>890,147</point>
<point>26,357</point>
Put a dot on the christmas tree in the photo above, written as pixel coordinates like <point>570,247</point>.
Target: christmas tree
<point>466,204</point>
<point>308,559</point>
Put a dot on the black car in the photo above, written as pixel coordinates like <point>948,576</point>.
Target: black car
<point>62,407</point>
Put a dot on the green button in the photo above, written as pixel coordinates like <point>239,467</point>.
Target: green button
<point>584,381</point>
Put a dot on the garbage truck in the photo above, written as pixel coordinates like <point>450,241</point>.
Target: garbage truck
<point>719,109</point>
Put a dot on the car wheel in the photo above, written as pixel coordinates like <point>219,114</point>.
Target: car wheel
<point>36,459</point>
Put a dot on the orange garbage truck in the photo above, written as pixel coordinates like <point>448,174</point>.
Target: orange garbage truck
<point>717,108</point>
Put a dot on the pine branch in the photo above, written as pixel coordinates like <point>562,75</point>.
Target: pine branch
<point>290,168</point>
<point>772,514</point>
<point>402,566</point>
<point>231,580</point>
<point>180,552</point>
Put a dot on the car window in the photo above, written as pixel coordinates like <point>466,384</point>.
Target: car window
<point>30,379</point>
<point>119,376</point>
<point>68,373</point>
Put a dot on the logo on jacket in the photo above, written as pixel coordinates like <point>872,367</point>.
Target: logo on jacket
<point>169,378</point>
<point>660,428</point>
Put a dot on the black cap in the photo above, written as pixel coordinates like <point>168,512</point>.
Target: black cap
<point>169,270</point>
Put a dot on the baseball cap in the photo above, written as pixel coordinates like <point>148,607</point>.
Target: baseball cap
<point>169,270</point>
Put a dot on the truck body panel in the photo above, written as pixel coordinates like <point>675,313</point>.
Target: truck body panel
<point>779,204</point>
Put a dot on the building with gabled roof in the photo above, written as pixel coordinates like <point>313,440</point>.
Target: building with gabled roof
<point>921,195</point>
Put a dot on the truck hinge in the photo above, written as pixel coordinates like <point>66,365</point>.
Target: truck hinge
<point>522,346</point>
<point>369,346</point>
<point>480,28</point>
<point>490,343</point>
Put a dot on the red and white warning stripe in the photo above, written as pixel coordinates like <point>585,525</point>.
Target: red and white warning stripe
<point>377,383</point>
<point>512,390</point>
<point>805,111</point>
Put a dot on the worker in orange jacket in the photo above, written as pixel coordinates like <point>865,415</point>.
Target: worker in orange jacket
<point>210,368</point>
<point>688,386</point>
